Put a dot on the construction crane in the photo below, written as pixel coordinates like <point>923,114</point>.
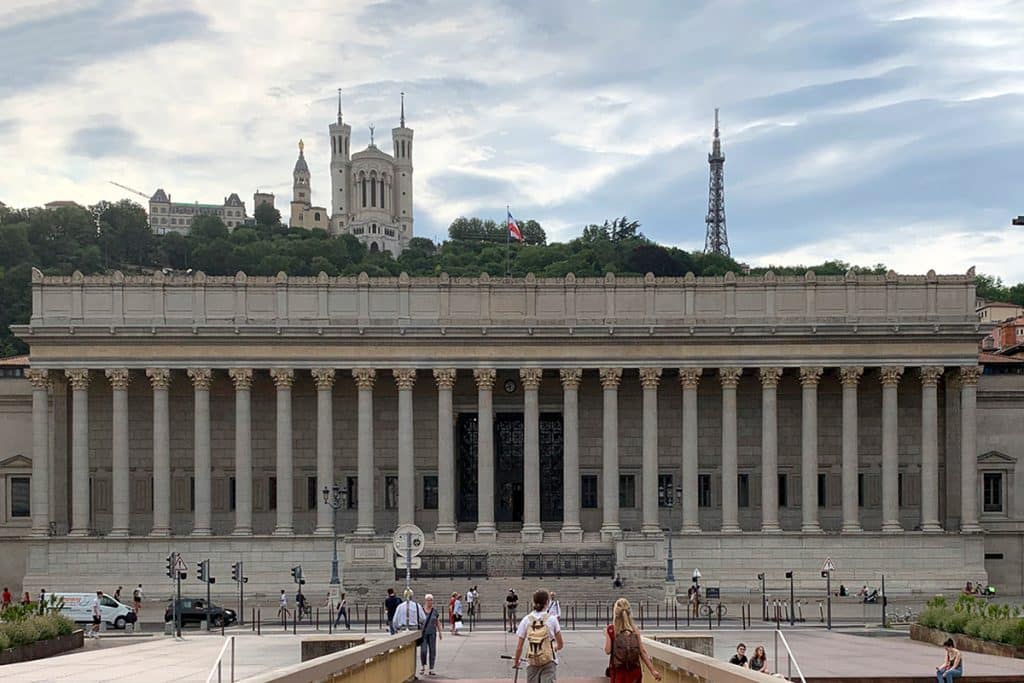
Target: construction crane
<point>130,189</point>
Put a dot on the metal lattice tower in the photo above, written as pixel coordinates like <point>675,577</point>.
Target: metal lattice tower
<point>717,240</point>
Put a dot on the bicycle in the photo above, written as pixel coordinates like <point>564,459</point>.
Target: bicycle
<point>903,616</point>
<point>305,612</point>
<point>706,611</point>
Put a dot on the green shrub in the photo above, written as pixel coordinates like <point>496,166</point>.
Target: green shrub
<point>5,642</point>
<point>975,626</point>
<point>61,624</point>
<point>954,622</point>
<point>937,601</point>
<point>33,628</point>
<point>932,616</point>
<point>22,632</point>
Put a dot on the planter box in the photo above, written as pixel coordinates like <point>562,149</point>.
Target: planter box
<point>43,648</point>
<point>965,642</point>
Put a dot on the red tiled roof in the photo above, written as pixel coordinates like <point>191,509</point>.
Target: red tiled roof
<point>14,362</point>
<point>994,358</point>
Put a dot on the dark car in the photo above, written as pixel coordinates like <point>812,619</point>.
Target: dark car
<point>193,611</point>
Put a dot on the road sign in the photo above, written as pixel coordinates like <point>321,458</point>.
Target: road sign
<point>400,537</point>
<point>179,565</point>
<point>828,565</point>
<point>414,562</point>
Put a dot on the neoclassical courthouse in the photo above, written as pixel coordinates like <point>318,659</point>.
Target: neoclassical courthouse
<point>768,422</point>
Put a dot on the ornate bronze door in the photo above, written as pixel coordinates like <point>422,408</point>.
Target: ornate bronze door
<point>466,464</point>
<point>508,470</point>
<point>551,467</point>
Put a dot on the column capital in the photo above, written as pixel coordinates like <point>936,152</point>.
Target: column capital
<point>849,375</point>
<point>283,377</point>
<point>729,377</point>
<point>890,374</point>
<point>323,377</point>
<point>769,377</point>
<point>405,378</point>
<point>689,378</point>
<point>160,378</point>
<point>78,377</point>
<point>118,377</point>
<point>531,377</point>
<point>242,377</point>
<point>931,374</point>
<point>610,377</point>
<point>40,379</point>
<point>810,375</point>
<point>445,378</point>
<point>969,374</point>
<point>364,377</point>
<point>484,377</point>
<point>650,377</point>
<point>201,378</point>
<point>571,377</point>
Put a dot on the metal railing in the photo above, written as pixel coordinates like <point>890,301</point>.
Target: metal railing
<point>448,566</point>
<point>569,564</point>
<point>791,659</point>
<point>218,665</point>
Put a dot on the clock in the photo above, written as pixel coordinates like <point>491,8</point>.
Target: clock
<point>510,386</point>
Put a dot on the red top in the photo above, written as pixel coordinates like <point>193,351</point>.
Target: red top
<point>635,675</point>
<point>7,597</point>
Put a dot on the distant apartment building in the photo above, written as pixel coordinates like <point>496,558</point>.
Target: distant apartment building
<point>997,311</point>
<point>1007,338</point>
<point>166,216</point>
<point>62,204</point>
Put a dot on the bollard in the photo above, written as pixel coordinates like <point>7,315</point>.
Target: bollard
<point>675,615</point>
<point>366,619</point>
<point>252,622</point>
<point>317,618</point>
<point>640,607</point>
<point>295,623</point>
<point>657,615</point>
<point>574,615</point>
<point>259,622</point>
<point>688,610</point>
<point>821,612</point>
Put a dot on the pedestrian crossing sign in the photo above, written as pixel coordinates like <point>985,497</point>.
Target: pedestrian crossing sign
<point>828,565</point>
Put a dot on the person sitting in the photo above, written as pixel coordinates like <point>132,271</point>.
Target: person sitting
<point>740,658</point>
<point>759,662</point>
<point>953,666</point>
<point>617,581</point>
<point>842,591</point>
<point>968,589</point>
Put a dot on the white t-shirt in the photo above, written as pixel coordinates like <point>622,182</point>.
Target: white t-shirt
<point>470,597</point>
<point>96,607</point>
<point>552,622</point>
<point>555,609</point>
<point>284,600</point>
<point>409,614</point>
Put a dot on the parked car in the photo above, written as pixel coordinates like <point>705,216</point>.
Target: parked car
<point>193,611</point>
<point>78,608</point>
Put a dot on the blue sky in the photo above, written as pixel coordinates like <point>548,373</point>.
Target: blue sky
<point>875,131</point>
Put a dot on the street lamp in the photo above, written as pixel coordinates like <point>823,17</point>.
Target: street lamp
<point>792,607</point>
<point>764,598</point>
<point>336,497</point>
<point>670,501</point>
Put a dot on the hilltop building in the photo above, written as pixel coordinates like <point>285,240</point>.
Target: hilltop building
<point>303,213</point>
<point>168,216</point>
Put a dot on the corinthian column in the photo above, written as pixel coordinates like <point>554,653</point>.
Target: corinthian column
<point>809,449</point>
<point>119,378</point>
<point>969,449</point>
<point>531,531</point>
<point>242,377</point>
<point>79,379</point>
<point>649,379</point>
<point>283,379</point>
<point>365,379</point>
<point>40,380</point>
<point>485,529</point>
<point>890,377</point>
<point>689,378</point>
<point>730,379</point>
<point>446,530</point>
<point>405,379</point>
<point>324,380</point>
<point>770,449</point>
<point>572,532</point>
<point>930,376</point>
<point>850,377</point>
<point>202,378</point>
<point>610,378</point>
<point>160,379</point>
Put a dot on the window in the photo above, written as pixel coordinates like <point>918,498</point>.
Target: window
<point>316,216</point>
<point>743,491</point>
<point>272,494</point>
<point>627,491</point>
<point>231,493</point>
<point>783,491</point>
<point>588,491</point>
<point>363,184</point>
<point>860,489</point>
<point>20,497</point>
<point>352,488</point>
<point>822,489</point>
<point>665,491</point>
<point>704,490</point>
<point>391,492</point>
<point>373,192</point>
<point>993,491</point>
<point>311,493</point>
<point>430,492</point>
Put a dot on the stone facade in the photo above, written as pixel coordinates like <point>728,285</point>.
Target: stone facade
<point>166,216</point>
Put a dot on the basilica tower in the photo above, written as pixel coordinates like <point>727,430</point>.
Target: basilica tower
<point>341,173</point>
<point>402,139</point>
<point>301,194</point>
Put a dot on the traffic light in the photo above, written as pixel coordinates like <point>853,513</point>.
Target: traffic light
<point>297,575</point>
<point>170,565</point>
<point>761,576</point>
<point>203,573</point>
<point>235,574</point>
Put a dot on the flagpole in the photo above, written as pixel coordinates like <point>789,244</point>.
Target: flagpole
<point>508,242</point>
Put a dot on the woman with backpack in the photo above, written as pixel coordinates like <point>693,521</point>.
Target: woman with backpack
<point>624,645</point>
<point>541,635</point>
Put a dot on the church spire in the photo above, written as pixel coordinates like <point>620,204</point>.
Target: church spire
<point>339,105</point>
<point>401,121</point>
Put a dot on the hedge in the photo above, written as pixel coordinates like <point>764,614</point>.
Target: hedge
<point>976,618</point>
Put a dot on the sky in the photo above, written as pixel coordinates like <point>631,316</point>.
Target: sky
<point>873,131</point>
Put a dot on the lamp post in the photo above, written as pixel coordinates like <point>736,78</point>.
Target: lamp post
<point>792,607</point>
<point>336,497</point>
<point>764,598</point>
<point>670,500</point>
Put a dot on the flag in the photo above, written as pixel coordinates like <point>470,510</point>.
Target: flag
<point>513,229</point>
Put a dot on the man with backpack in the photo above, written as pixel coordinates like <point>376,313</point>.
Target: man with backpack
<point>541,635</point>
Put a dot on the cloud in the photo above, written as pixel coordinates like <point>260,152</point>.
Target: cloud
<point>97,142</point>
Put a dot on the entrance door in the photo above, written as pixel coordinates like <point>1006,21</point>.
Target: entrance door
<point>508,470</point>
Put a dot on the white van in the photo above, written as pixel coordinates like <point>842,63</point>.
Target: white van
<point>78,608</point>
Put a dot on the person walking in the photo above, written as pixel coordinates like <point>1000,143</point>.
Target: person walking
<point>137,599</point>
<point>342,612</point>
<point>555,608</point>
<point>97,615</point>
<point>5,600</point>
<point>391,603</point>
<point>431,636</point>
<point>410,615</point>
<point>42,600</point>
<point>451,613</point>
<point>511,605</point>
<point>300,604</point>
<point>470,602</point>
<point>953,666</point>
<point>624,645</point>
<point>543,635</point>
<point>26,599</point>
<point>457,614</point>
<point>117,594</point>
<point>282,607</point>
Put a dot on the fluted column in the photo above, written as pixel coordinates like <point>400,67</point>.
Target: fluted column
<point>531,531</point>
<point>930,376</point>
<point>890,378</point>
<point>649,379</point>
<point>202,378</point>
<point>850,377</point>
<point>969,449</point>
<point>446,531</point>
<point>40,380</point>
<point>324,380</point>
<point>79,379</point>
<point>730,379</point>
<point>610,378</point>
<point>160,379</point>
<point>571,529</point>
<point>485,529</point>
<point>405,379</point>
<point>689,378</point>
<point>283,379</point>
<point>120,523</point>
<point>365,379</point>
<point>809,377</point>
<point>242,378</point>
<point>770,449</point>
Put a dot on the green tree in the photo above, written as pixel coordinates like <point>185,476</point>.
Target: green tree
<point>267,216</point>
<point>207,228</point>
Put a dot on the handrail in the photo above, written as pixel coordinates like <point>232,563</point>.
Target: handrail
<point>217,665</point>
<point>791,657</point>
